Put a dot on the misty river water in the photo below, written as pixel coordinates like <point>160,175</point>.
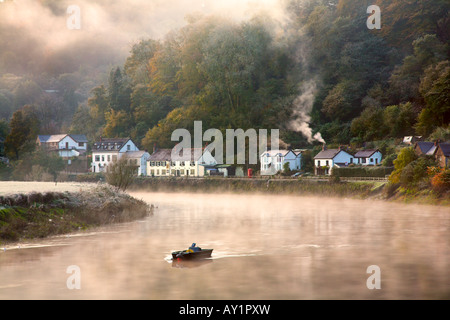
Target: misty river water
<point>265,247</point>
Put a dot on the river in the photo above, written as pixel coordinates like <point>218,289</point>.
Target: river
<point>265,247</point>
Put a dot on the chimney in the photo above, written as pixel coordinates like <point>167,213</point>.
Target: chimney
<point>324,147</point>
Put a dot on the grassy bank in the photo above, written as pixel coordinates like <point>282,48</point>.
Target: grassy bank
<point>282,186</point>
<point>331,188</point>
<point>38,215</point>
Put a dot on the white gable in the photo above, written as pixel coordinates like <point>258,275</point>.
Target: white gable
<point>129,146</point>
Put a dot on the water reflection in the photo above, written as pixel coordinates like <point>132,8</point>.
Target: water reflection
<point>177,263</point>
<point>265,247</point>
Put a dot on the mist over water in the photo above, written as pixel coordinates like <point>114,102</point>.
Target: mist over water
<point>265,247</point>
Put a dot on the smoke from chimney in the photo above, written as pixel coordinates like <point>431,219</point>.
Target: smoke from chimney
<point>302,108</point>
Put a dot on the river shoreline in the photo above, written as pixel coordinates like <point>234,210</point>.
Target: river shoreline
<point>36,215</point>
<point>380,191</point>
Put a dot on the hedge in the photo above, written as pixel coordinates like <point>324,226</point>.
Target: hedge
<point>379,172</point>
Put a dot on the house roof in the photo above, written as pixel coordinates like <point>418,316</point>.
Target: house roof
<point>135,154</point>
<point>298,151</point>
<point>327,154</point>
<point>408,139</point>
<point>365,153</point>
<point>79,137</point>
<point>432,150</point>
<point>110,144</point>
<point>51,138</point>
<point>58,137</point>
<point>445,147</point>
<point>166,154</point>
<point>191,154</point>
<point>424,146</point>
<point>161,155</point>
<point>274,153</point>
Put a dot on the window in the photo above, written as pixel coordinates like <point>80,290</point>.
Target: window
<point>182,163</point>
<point>318,163</point>
<point>163,172</point>
<point>173,172</point>
<point>157,172</point>
<point>192,172</point>
<point>192,164</point>
<point>182,172</point>
<point>103,158</point>
<point>363,160</point>
<point>114,158</point>
<point>152,163</point>
<point>172,163</point>
<point>81,144</point>
<point>152,172</point>
<point>97,158</point>
<point>371,159</point>
<point>109,158</point>
<point>128,147</point>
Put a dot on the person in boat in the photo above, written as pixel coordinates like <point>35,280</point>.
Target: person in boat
<point>194,248</point>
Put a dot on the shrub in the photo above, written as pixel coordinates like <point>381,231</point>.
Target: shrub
<point>356,171</point>
<point>440,179</point>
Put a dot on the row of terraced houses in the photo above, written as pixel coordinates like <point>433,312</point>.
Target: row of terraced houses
<point>199,163</point>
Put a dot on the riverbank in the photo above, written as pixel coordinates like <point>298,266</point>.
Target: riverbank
<point>349,189</point>
<point>42,214</point>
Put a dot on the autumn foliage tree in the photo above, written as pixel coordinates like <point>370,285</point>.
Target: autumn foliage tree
<point>24,128</point>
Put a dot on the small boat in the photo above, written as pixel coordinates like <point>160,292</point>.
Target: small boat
<point>193,253</point>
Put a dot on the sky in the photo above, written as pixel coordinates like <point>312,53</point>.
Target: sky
<point>108,25</point>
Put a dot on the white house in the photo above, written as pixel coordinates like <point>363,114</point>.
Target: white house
<point>273,161</point>
<point>66,145</point>
<point>326,159</point>
<point>161,164</point>
<point>139,160</point>
<point>369,157</point>
<point>107,151</point>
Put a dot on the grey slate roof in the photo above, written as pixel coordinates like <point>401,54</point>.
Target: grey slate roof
<point>425,146</point>
<point>135,154</point>
<point>79,137</point>
<point>365,153</point>
<point>59,137</point>
<point>51,138</point>
<point>161,155</point>
<point>110,144</point>
<point>327,154</point>
<point>166,155</point>
<point>445,147</point>
<point>274,153</point>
